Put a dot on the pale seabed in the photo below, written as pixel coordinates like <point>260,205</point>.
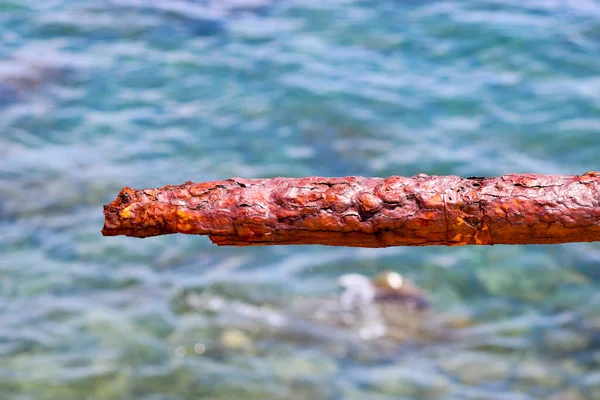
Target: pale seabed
<point>103,94</point>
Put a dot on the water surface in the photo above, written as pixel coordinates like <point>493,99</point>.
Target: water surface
<point>103,94</point>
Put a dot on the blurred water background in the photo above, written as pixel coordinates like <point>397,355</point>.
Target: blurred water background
<point>100,94</point>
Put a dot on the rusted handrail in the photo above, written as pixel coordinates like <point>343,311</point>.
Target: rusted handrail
<point>367,212</point>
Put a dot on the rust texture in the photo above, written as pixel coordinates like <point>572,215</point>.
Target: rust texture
<point>367,212</point>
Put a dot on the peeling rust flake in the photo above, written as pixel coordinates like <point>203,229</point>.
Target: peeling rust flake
<point>367,212</point>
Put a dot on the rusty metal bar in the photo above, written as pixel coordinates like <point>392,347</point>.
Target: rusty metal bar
<point>367,212</point>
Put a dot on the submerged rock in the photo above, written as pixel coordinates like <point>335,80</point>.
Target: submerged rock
<point>475,368</point>
<point>387,306</point>
<point>568,394</point>
<point>20,77</point>
<point>306,364</point>
<point>564,341</point>
<point>401,380</point>
<point>392,287</point>
<point>367,321</point>
<point>387,287</point>
<point>236,339</point>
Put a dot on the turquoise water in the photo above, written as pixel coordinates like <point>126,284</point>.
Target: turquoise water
<point>103,94</point>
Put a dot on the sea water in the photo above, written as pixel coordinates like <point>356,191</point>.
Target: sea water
<point>100,94</point>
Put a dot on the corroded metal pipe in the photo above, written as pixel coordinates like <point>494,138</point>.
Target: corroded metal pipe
<point>367,212</point>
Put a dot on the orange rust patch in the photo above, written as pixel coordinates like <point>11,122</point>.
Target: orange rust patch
<point>369,202</point>
<point>127,212</point>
